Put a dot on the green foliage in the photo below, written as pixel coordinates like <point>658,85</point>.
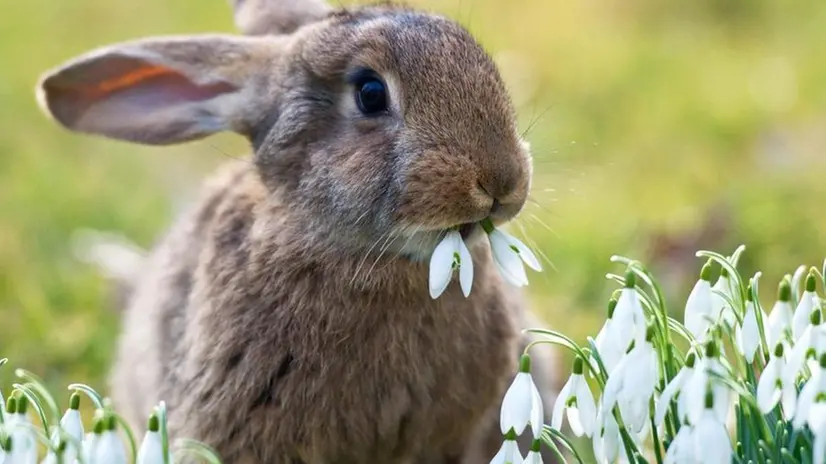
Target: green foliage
<point>658,128</point>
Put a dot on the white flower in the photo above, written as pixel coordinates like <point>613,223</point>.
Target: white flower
<point>23,439</point>
<point>508,254</point>
<point>804,309</point>
<point>534,454</point>
<point>698,308</point>
<point>450,253</point>
<point>109,447</point>
<point>89,446</point>
<point>608,346</point>
<point>779,324</point>
<point>522,404</point>
<point>72,425</point>
<point>748,335</point>
<point>576,399</point>
<point>812,338</point>
<point>813,392</point>
<point>697,386</point>
<point>711,440</point>
<point>632,384</point>
<point>607,438</point>
<point>721,309</point>
<point>772,386</point>
<point>509,452</point>
<point>817,422</point>
<point>681,450</point>
<point>629,321</point>
<point>673,389</point>
<point>151,450</point>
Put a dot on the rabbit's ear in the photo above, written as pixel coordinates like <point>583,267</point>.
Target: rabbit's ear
<point>163,90</point>
<point>262,17</point>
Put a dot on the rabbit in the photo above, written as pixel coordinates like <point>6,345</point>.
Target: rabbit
<point>285,317</point>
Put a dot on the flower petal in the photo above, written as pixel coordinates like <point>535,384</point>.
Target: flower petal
<point>441,264</point>
<point>587,408</point>
<point>537,412</point>
<point>698,309</point>
<point>151,450</point>
<point>574,421</point>
<point>516,406</point>
<point>465,268</point>
<point>711,440</point>
<point>802,314</point>
<point>670,391</point>
<point>559,406</point>
<point>748,335</point>
<point>767,392</point>
<point>506,260</point>
<point>524,252</point>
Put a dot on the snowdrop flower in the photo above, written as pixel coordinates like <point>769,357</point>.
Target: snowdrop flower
<point>711,440</point>
<point>509,452</point>
<point>151,450</point>
<point>813,392</point>
<point>5,449</point>
<point>534,454</point>
<point>109,447</point>
<point>804,308</point>
<point>772,385</point>
<point>698,307</point>
<point>779,325</point>
<point>24,443</point>
<point>450,253</point>
<point>721,310</point>
<point>90,444</point>
<point>673,390</point>
<point>817,422</point>
<point>629,319</point>
<point>632,384</point>
<point>508,255</point>
<point>608,346</point>
<point>607,438</point>
<point>576,399</point>
<point>522,404</point>
<point>63,452</point>
<point>812,340</point>
<point>748,335</point>
<point>696,388</point>
<point>72,425</point>
<point>681,450</point>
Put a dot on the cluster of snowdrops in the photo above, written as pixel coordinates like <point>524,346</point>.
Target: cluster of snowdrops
<point>53,438</point>
<point>765,402</point>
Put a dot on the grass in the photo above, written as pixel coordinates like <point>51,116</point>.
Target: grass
<point>658,128</point>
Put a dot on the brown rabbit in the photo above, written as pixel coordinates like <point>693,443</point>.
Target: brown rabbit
<point>286,318</point>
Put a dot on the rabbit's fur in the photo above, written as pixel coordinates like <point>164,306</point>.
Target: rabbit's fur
<point>286,317</point>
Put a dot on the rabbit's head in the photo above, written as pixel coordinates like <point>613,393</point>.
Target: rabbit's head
<point>372,123</point>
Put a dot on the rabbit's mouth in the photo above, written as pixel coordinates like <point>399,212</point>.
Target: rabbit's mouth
<point>467,230</point>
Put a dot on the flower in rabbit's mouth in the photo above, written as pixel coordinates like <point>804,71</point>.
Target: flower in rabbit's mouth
<point>451,254</point>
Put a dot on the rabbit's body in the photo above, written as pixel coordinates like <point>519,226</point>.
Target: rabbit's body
<point>264,348</point>
<point>286,318</point>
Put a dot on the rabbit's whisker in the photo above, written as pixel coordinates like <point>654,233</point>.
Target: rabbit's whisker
<point>366,255</point>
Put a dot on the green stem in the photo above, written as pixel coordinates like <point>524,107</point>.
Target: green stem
<point>656,442</point>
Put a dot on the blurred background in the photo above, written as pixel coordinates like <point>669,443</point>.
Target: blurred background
<point>658,128</point>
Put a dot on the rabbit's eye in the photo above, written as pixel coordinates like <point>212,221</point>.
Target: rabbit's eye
<point>371,96</point>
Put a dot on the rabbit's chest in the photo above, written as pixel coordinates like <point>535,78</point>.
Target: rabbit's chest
<point>380,388</point>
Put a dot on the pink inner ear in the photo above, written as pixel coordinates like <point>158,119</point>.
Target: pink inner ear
<point>113,93</point>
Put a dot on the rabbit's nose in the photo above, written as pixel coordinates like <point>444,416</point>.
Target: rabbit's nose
<point>508,190</point>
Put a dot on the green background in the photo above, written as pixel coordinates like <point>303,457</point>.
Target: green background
<point>658,128</point>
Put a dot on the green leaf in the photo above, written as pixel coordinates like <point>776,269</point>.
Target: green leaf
<point>548,434</point>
